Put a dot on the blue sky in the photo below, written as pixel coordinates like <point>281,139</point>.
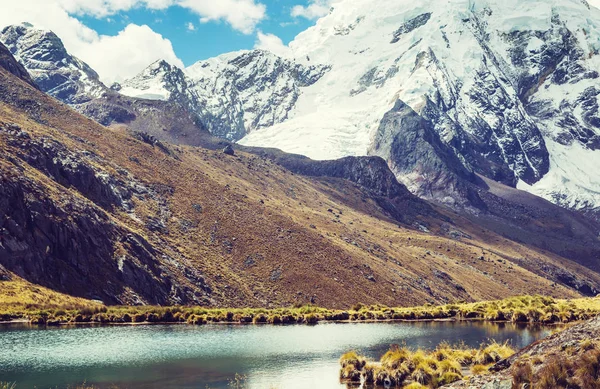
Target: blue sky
<point>119,38</point>
<point>207,39</point>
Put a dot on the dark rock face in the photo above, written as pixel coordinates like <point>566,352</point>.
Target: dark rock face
<point>71,170</point>
<point>370,173</point>
<point>8,62</point>
<point>228,150</point>
<point>68,242</point>
<point>411,25</point>
<point>423,162</point>
<point>70,248</point>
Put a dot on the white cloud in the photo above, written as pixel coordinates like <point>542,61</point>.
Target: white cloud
<point>243,15</point>
<point>313,11</point>
<point>594,3</point>
<point>190,26</point>
<point>124,55</point>
<point>114,57</point>
<point>271,43</point>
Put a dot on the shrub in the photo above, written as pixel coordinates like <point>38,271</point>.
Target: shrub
<point>494,352</point>
<point>395,357</point>
<point>351,358</point>
<point>479,370</point>
<point>522,374</point>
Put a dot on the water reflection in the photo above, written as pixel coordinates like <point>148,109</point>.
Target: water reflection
<point>180,356</point>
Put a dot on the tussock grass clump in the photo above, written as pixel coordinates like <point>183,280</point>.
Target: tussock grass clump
<point>401,366</point>
<point>478,369</point>
<point>395,357</point>
<point>414,385</point>
<point>352,358</point>
<point>449,377</point>
<point>522,373</point>
<point>7,385</point>
<point>493,352</point>
<point>352,365</point>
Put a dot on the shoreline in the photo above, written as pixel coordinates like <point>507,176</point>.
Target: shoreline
<point>522,309</point>
<point>390,321</point>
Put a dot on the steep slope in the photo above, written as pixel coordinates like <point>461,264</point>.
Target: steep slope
<point>98,213</point>
<point>9,63</point>
<point>510,88</point>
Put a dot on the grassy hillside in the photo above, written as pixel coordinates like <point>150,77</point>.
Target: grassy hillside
<point>106,215</point>
<point>18,297</point>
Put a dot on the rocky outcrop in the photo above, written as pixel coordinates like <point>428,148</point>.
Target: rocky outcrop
<point>8,62</point>
<point>53,69</point>
<point>426,165</point>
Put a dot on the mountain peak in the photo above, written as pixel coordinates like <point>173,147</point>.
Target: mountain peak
<point>159,81</point>
<point>44,55</point>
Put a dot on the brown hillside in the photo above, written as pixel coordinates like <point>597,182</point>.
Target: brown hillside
<point>98,213</point>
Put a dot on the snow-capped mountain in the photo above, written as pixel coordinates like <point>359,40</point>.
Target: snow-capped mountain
<point>54,70</point>
<point>233,94</point>
<point>444,89</point>
<point>450,93</point>
<point>159,81</point>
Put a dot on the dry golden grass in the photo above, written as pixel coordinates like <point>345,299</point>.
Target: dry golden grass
<point>401,366</point>
<point>315,239</point>
<point>21,299</point>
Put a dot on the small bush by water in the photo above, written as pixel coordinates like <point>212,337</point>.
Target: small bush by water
<point>402,367</point>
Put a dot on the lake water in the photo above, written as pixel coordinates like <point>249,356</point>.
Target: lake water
<point>180,356</point>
